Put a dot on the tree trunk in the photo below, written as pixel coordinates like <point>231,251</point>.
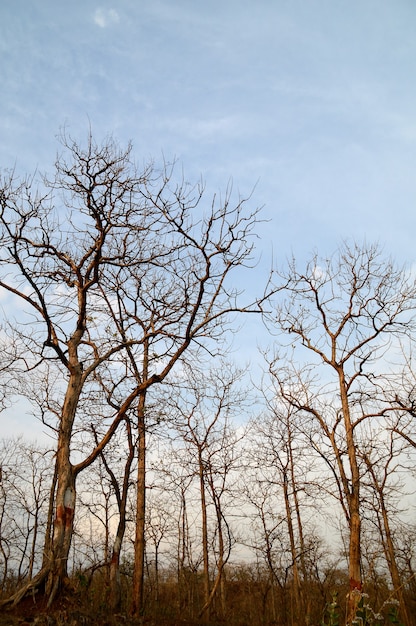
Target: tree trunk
<point>205,610</point>
<point>137,606</point>
<point>355,592</point>
<point>49,523</point>
<point>115,582</point>
<point>183,583</point>
<point>353,500</point>
<point>392,563</point>
<point>218,582</point>
<point>57,550</point>
<point>304,606</point>
<point>62,535</point>
<point>295,568</point>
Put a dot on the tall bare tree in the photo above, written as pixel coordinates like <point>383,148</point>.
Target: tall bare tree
<point>57,242</point>
<point>338,319</point>
<point>119,273</point>
<point>180,305</point>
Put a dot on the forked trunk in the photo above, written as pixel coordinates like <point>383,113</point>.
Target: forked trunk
<point>115,580</point>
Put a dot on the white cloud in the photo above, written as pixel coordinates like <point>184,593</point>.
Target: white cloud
<point>106,17</point>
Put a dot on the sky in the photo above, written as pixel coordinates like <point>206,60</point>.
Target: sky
<point>311,103</point>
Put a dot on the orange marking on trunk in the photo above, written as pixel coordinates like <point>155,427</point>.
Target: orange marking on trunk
<point>60,514</point>
<point>356,584</point>
<point>64,515</point>
<point>69,514</point>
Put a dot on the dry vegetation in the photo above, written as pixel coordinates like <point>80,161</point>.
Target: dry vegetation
<point>249,600</point>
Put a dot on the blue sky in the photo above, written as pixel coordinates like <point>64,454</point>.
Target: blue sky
<point>312,101</point>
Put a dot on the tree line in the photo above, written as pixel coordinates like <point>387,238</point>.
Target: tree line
<point>175,476</point>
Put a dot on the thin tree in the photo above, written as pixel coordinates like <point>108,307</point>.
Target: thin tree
<point>174,477</point>
<point>283,459</point>
<point>25,472</point>
<point>201,413</point>
<point>117,459</point>
<point>382,462</point>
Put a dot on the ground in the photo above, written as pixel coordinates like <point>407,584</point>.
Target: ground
<point>67,613</point>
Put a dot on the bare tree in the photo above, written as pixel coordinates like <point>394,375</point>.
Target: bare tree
<point>174,477</point>
<point>181,304</point>
<point>53,259</point>
<point>160,522</point>
<point>121,491</point>
<point>339,318</point>
<point>25,473</point>
<point>265,534</point>
<point>384,465</point>
<point>281,457</point>
<point>119,274</point>
<point>201,412</point>
<point>103,495</point>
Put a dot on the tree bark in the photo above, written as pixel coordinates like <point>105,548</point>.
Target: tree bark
<point>115,582</point>
<point>291,531</point>
<point>353,500</point>
<point>137,607</point>
<point>205,611</point>
<point>57,551</point>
